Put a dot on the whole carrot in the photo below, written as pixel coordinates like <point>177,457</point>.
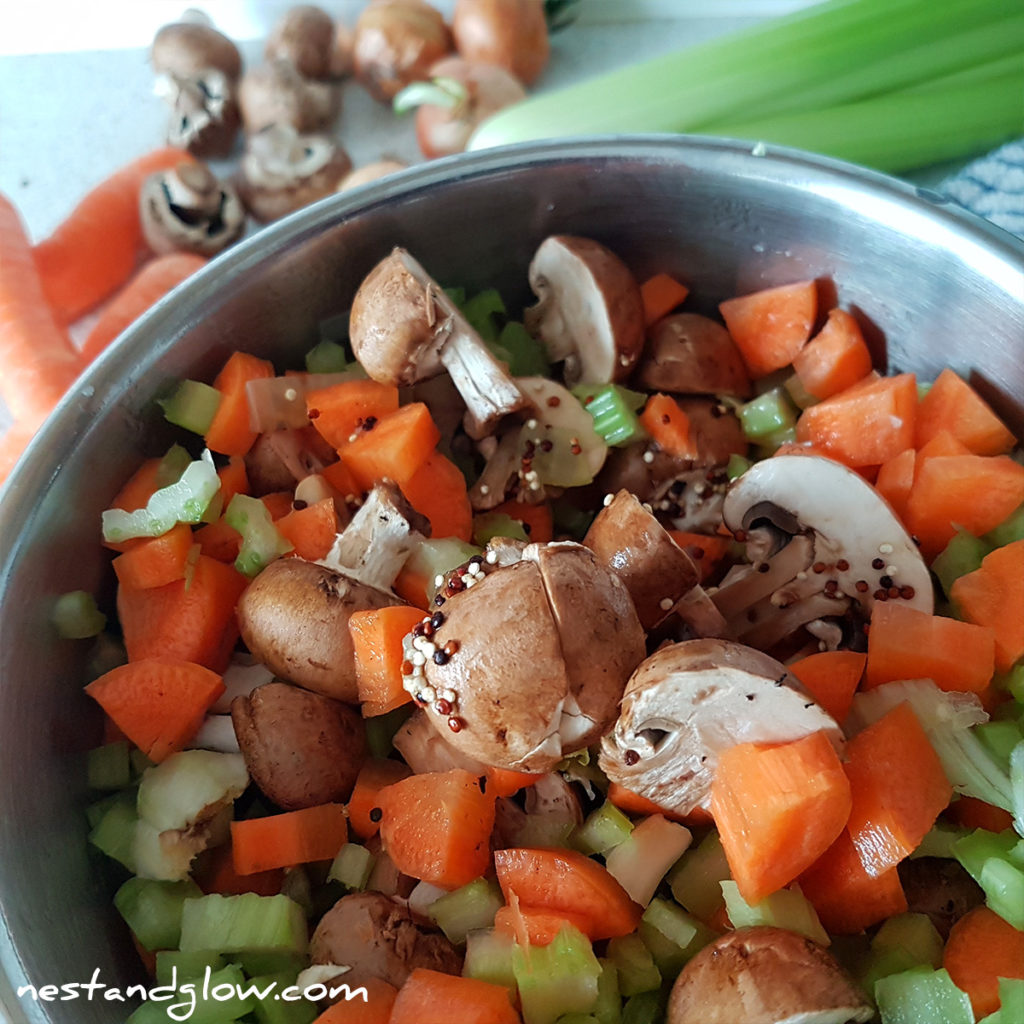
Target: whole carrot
<point>38,363</point>
<point>97,247</point>
<point>150,284</point>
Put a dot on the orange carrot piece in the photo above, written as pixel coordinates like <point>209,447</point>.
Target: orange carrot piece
<point>898,789</point>
<point>969,812</point>
<point>218,540</point>
<point>377,636</point>
<point>437,827</point>
<point>565,881</point>
<point>394,448</point>
<point>155,561</point>
<point>374,1009</point>
<point>831,677</point>
<point>778,809</point>
<point>669,426</point>
<point>150,284</point>
<point>536,519</point>
<point>540,925</point>
<point>905,643</point>
<point>942,442</point>
<point>193,620</point>
<point>705,550</point>
<point>771,326</point>
<point>836,358</point>
<point>139,487</point>
<point>94,251</point>
<point>214,871</point>
<point>411,585</point>
<point>895,480</point>
<point>234,479</point>
<point>866,424</point>
<point>310,530</point>
<point>39,362</point>
<point>972,492</point>
<point>375,774</point>
<point>450,997</point>
<point>230,431</point>
<point>338,475</point>
<point>12,444</point>
<point>158,703</point>
<point>633,803</point>
<point>993,596</point>
<point>438,491</point>
<point>279,504</point>
<point>338,412</point>
<point>981,949</point>
<point>847,899</point>
<point>661,294</point>
<point>952,404</point>
<point>288,839</point>
<point>508,781</point>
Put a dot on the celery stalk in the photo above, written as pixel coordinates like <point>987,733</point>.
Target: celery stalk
<point>154,910</point>
<point>922,994</point>
<point>352,867</point>
<point>489,958</point>
<point>465,909</point>
<point>114,832</point>
<point>608,1008</point>
<point>76,616</point>
<point>787,908</point>
<point>1009,530</point>
<point>109,766</point>
<point>261,541</point>
<point>556,979</point>
<point>192,406</point>
<point>172,964</point>
<point>696,880</point>
<point>233,924</point>
<point>603,830</point>
<point>672,935</point>
<point>635,964</point>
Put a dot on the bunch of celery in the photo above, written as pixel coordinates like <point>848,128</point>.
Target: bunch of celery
<point>895,84</point>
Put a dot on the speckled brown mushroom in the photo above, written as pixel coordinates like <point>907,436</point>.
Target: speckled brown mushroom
<point>274,93</point>
<point>305,35</point>
<point>690,701</point>
<point>404,328</point>
<point>765,975</point>
<point>527,662</point>
<point>281,171</point>
<point>589,312</point>
<point>186,209</point>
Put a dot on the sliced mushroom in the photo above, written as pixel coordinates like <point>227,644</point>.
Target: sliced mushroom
<point>424,749</point>
<point>687,703</point>
<point>765,975</point>
<point>190,46</point>
<point>820,540</point>
<point>589,312</point>
<point>281,171</point>
<point>692,354</point>
<point>532,657</point>
<point>186,209</point>
<point>404,328</point>
<point>306,37</point>
<point>275,93</point>
<point>302,749</point>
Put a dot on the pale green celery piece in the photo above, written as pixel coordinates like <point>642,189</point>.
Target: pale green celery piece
<point>245,923</point>
<point>963,554</point>
<point>767,415</point>
<point>603,830</point>
<point>614,411</point>
<point>672,935</point>
<point>483,310</point>
<point>642,860</point>
<point>1009,530</point>
<point>737,466</point>
<point>1017,786</point>
<point>109,766</point>
<point>915,934</point>
<point>798,394</point>
<point>261,540</point>
<point>999,738</point>
<point>114,832</point>
<point>154,910</point>
<point>270,1008</point>
<point>94,812</point>
<point>1013,682</point>
<point>696,880</point>
<point>524,354</point>
<point>352,866</point>
<point>488,525</point>
<point>174,462</point>
<point>435,557</point>
<point>184,501</point>
<point>489,958</point>
<point>637,971</point>
<point>922,994</point>
<point>939,841</point>
<point>175,792</point>
<point>1003,883</point>
<point>172,964</point>
<point>561,465</point>
<point>645,1008</point>
<point>381,729</point>
<point>608,1008</point>
<point>76,616</point>
<point>1011,999</point>
<point>192,406</point>
<point>470,907</point>
<point>556,979</point>
<point>327,357</point>
<point>212,999</point>
<point>787,908</point>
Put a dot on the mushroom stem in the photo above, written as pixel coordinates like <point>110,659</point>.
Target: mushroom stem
<point>754,583</point>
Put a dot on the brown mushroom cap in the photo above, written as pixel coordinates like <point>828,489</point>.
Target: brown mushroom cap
<point>302,749</point>
<point>544,647</point>
<point>275,93</point>
<point>305,35</point>
<point>187,48</point>
<point>765,975</point>
<point>293,617</point>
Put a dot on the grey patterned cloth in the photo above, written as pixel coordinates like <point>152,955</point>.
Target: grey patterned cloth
<point>993,187</point>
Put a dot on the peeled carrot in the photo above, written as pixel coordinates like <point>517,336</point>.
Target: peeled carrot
<point>449,997</point>
<point>981,949</point>
<point>661,294</point>
<point>942,442</point>
<point>39,362</point>
<point>705,550</point>
<point>669,426</point>
<point>898,789</point>
<point>230,432</point>
<point>395,447</point>
<point>904,643</point>
<point>286,840</point>
<point>214,871</point>
<point>895,480</point>
<point>539,925</point>
<point>218,540</point>
<point>155,561</point>
<point>971,813</point>
<point>508,781</point>
<point>993,596</point>
<point>633,803</point>
<point>310,530</point>
<point>338,475</point>
<point>778,809</point>
<point>234,479</point>
<point>771,326</point>
<point>438,491</point>
<point>375,774</point>
<point>374,1009</point>
<point>339,411</point>
<point>836,358</point>
<point>377,636</point>
<point>97,247</point>
<point>536,519</point>
<point>279,504</point>
<point>952,404</point>
<point>411,585</point>
<point>150,284</point>
<point>158,703</point>
<point>832,678</point>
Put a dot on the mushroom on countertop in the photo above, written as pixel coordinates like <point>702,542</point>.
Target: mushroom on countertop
<point>275,93</point>
<point>690,701</point>
<point>589,312</point>
<point>820,540</point>
<point>404,328</point>
<point>305,35</point>
<point>765,975</point>
<point>186,209</point>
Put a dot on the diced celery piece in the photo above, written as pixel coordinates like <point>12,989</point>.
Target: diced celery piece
<point>526,355</point>
<point>489,958</point>
<point>352,866</point>
<point>213,999</point>
<point>922,994</point>
<point>140,763</point>
<point>737,466</point>
<point>672,935</point>
<point>1003,883</point>
<point>327,357</point>
<point>1000,738</point>
<point>544,830</point>
<point>644,1008</point>
<point>1013,682</point>
<point>497,524</point>
<point>76,616</point>
<point>570,520</point>
<point>457,294</point>
<point>154,910</point>
<point>558,978</point>
<point>637,971</point>
<point>174,966</point>
<point>259,962</point>
<point>577,1018</point>
<point>467,908</point>
<point>1009,530</point>
<point>696,880</point>
<point>766,415</point>
<point>559,460</point>
<point>786,908</point>
<point>767,446</point>
<point>880,963</point>
<point>192,406</point>
<point>903,942</point>
<point>261,541</point>
<point>109,766</point>
<point>963,554</point>
<point>173,464</point>
<point>1017,787</point>
<point>483,310</point>
<point>94,812</point>
<point>174,793</point>
<point>979,846</point>
<point>381,729</point>
<point>248,922</point>
<point>435,557</point>
<point>603,830</point>
<point>613,409</point>
<point>608,1008</point>
<point>1011,1000</point>
<point>798,394</point>
<point>114,832</point>
<point>271,1008</point>
<point>640,862</point>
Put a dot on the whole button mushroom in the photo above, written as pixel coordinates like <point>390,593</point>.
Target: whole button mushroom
<point>527,662</point>
<point>275,93</point>
<point>306,36</point>
<point>302,749</point>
